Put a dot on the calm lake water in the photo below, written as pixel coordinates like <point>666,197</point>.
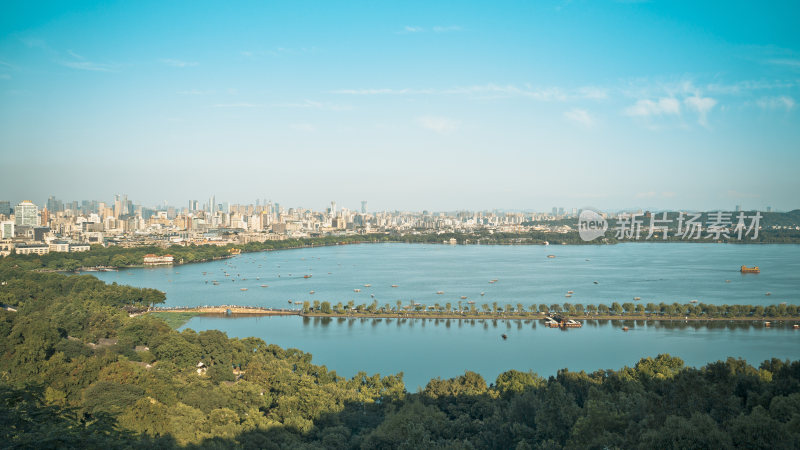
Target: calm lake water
<point>655,272</point>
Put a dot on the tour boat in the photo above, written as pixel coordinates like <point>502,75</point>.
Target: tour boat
<point>551,256</point>
<point>768,293</point>
<point>570,292</point>
<point>693,301</point>
<point>264,285</point>
<point>440,292</point>
<point>637,298</point>
<point>483,293</point>
<point>753,269</point>
<point>356,290</point>
<point>463,297</point>
<point>367,285</point>
<point>624,328</point>
<point>306,276</point>
<point>243,289</point>
<point>394,285</point>
<point>311,292</point>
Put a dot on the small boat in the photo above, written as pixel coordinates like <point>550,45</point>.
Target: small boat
<point>367,285</point>
<point>767,324</point>
<point>567,295</point>
<point>693,301</point>
<point>795,326</point>
<point>243,289</point>
<point>470,302</point>
<point>504,336</point>
<point>311,292</point>
<point>305,276</point>
<point>264,285</point>
<point>463,297</point>
<point>727,281</point>
<point>595,282</point>
<point>753,269</point>
<point>570,292</point>
<point>440,292</point>
<point>624,328</point>
<point>768,293</point>
<point>290,300</point>
<point>215,283</point>
<point>551,256</point>
<point>637,298</point>
<point>394,285</point>
<point>483,293</point>
<point>356,290</point>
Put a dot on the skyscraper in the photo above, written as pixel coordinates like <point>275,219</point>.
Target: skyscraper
<point>26,214</point>
<point>212,205</point>
<point>363,206</point>
<point>333,208</point>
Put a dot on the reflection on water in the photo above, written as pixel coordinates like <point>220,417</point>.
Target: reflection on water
<point>531,323</point>
<point>426,348</point>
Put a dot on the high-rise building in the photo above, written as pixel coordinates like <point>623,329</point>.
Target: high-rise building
<point>26,214</point>
<point>212,205</point>
<point>6,229</point>
<point>54,205</point>
<point>363,206</point>
<point>333,208</point>
<point>738,208</point>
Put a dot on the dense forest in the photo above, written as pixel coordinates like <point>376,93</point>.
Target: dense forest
<point>77,371</point>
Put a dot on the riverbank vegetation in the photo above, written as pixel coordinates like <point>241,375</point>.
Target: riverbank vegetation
<point>626,310</point>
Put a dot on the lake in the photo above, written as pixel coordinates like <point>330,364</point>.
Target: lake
<point>422,349</point>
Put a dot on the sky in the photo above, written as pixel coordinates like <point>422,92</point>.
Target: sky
<point>409,105</point>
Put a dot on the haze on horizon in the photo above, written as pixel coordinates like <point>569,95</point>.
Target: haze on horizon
<point>409,105</point>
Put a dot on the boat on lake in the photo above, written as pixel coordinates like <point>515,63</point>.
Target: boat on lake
<point>440,292</point>
<point>243,289</point>
<point>305,276</point>
<point>753,269</point>
<point>356,290</point>
<point>394,285</point>
<point>463,297</point>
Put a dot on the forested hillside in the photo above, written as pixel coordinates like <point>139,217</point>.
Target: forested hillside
<point>76,371</point>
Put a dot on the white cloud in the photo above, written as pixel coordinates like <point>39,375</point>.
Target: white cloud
<point>702,105</point>
<point>178,63</point>
<point>647,107</point>
<point>782,102</point>
<point>446,29</point>
<point>87,65</point>
<point>412,29</point>
<point>311,104</point>
<point>580,116</point>
<point>441,125</point>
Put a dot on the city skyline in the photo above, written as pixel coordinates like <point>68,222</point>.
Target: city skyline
<point>414,106</point>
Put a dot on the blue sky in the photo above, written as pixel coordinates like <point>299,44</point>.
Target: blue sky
<point>409,105</point>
